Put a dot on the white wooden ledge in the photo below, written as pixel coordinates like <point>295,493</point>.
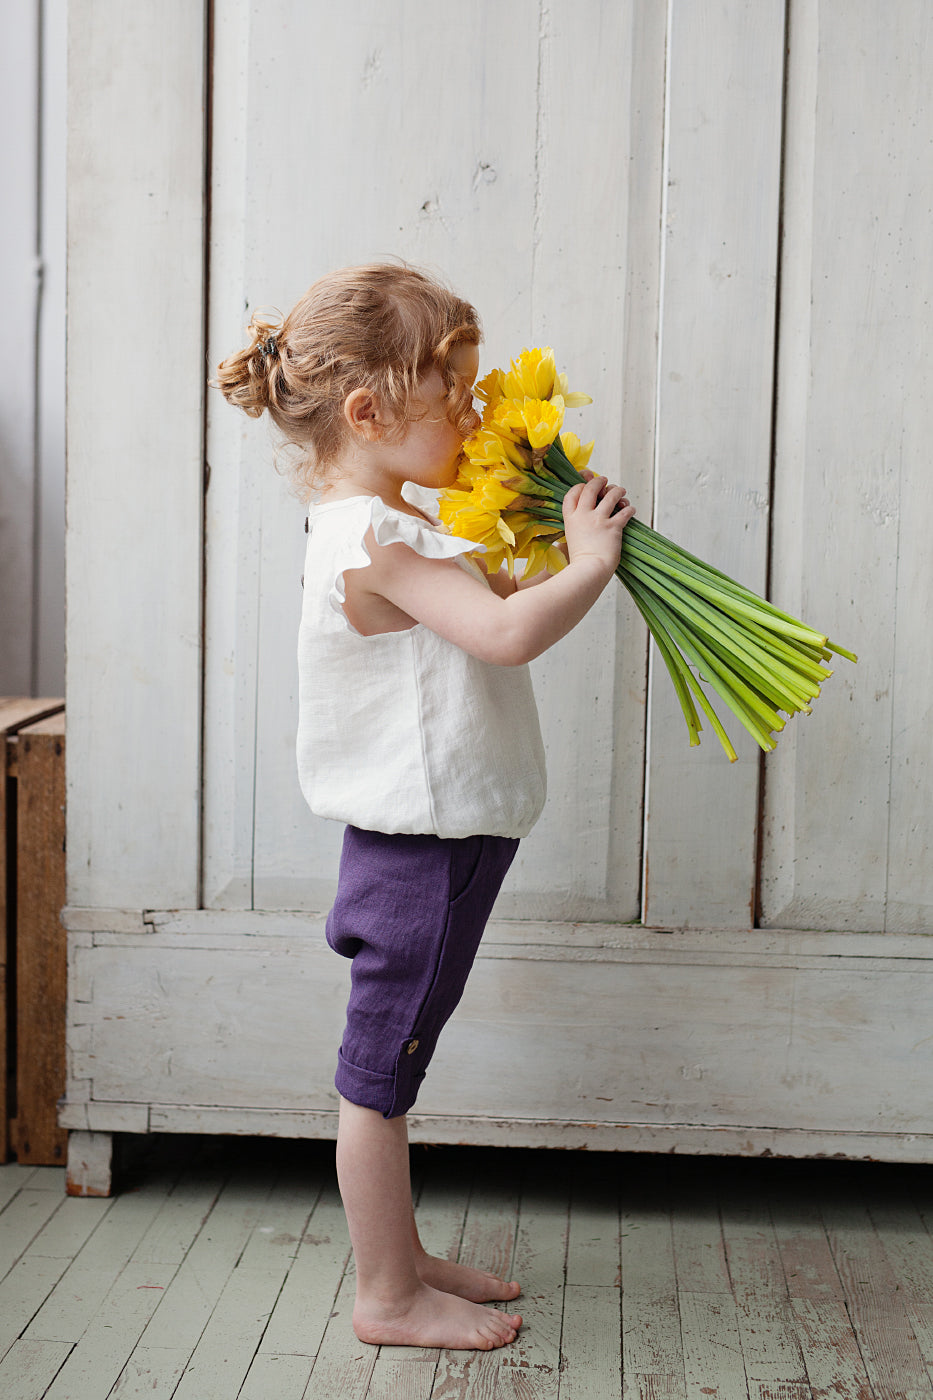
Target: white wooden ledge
<point>741,1042</point>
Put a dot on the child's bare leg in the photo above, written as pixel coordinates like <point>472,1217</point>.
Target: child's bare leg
<point>477,1284</point>
<point>394,1305</point>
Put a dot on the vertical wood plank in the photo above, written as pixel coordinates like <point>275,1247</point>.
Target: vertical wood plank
<point>50,365</point>
<point>344,1364</point>
<point>489,1241</point>
<point>920,1316</point>
<point>15,713</point>
<point>652,1345</point>
<point>716,360</point>
<point>7,908</point>
<point>712,1349</point>
<point>699,1248</point>
<point>875,1302</point>
<point>792,406</point>
<point>19,290</point>
<point>135,377</point>
<point>302,1310</point>
<point>237,456</point>
<point>847,845</point>
<point>540,1265</point>
<point>593,682</point>
<point>907,1245</point>
<point>593,1241</point>
<point>805,1254</point>
<point>591,1343</point>
<point>41,944</point>
<point>830,1350</point>
<point>771,1351</point>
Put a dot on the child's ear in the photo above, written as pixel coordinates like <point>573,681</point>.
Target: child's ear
<point>361,409</point>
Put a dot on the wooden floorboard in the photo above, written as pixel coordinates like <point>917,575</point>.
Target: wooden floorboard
<point>223,1269</point>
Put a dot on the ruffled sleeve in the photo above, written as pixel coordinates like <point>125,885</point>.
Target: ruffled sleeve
<point>389,526</point>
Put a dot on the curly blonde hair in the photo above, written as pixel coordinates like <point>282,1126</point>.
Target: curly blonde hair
<point>382,327</point>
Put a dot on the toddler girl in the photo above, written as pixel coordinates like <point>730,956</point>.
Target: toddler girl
<point>417,726</point>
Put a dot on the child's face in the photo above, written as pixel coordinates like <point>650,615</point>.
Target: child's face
<point>431,446</point>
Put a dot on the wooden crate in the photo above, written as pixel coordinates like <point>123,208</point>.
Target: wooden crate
<point>33,957</point>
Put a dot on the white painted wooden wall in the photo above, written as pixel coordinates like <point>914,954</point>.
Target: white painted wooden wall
<point>32,349</point>
<point>493,197</point>
<point>718,215</point>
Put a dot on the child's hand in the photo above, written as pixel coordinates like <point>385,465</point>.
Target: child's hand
<point>595,514</point>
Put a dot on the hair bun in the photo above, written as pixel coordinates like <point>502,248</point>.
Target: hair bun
<point>246,377</point>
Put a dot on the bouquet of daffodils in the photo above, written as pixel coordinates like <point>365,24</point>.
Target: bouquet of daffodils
<point>516,470</point>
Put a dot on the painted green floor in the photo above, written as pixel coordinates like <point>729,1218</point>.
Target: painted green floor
<point>221,1272</point>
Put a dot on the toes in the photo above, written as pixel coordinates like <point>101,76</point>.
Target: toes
<point>507,1326</point>
<point>494,1338</point>
<point>500,1289</point>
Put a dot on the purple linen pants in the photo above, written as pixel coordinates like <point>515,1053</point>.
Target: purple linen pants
<point>410,912</point>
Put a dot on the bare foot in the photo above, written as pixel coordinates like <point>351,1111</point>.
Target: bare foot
<point>475,1284</point>
<point>431,1318</point>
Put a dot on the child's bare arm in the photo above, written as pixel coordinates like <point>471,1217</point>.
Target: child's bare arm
<point>509,631</point>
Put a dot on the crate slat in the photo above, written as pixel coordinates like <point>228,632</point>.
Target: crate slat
<point>32,940</point>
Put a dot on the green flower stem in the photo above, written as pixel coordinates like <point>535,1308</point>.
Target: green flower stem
<point>680,672</point>
<point>797,654</point>
<point>776,678</point>
<point>746,714</point>
<point>676,667</point>
<point>839,651</point>
<point>739,608</point>
<point>706,626</point>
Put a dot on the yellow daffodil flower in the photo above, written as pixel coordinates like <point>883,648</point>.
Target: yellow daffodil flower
<point>577,455</point>
<point>494,556</point>
<point>490,389</point>
<point>543,554</point>
<point>532,375</point>
<point>571,398</point>
<point>536,543</point>
<point>493,444</point>
<point>493,494</point>
<point>484,525</point>
<point>538,419</point>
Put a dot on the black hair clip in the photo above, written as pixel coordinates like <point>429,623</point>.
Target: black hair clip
<point>270,346</point>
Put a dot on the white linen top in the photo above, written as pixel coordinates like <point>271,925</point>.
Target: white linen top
<point>404,731</point>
